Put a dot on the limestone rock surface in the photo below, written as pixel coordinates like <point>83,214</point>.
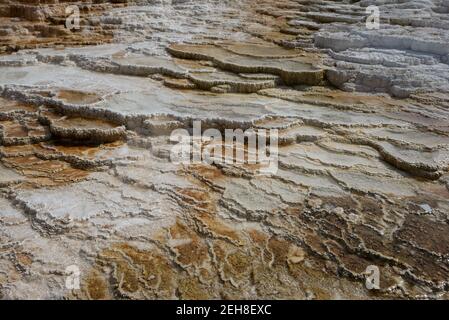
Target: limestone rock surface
<point>86,177</point>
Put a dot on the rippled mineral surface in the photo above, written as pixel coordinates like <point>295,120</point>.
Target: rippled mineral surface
<point>86,180</point>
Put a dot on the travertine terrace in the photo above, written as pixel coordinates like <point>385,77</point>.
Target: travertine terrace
<point>363,171</point>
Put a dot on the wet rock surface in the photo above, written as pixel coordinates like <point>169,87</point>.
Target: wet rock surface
<point>86,178</point>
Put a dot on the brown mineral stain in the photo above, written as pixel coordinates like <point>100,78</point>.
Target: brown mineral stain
<point>96,286</point>
<point>9,151</point>
<point>347,259</point>
<point>191,289</point>
<point>194,64</point>
<point>78,97</point>
<point>193,251</point>
<point>180,84</point>
<point>48,30</point>
<point>11,106</point>
<point>77,150</point>
<point>84,123</point>
<point>13,129</point>
<point>239,262</point>
<point>44,173</point>
<point>279,249</point>
<point>208,172</point>
<point>218,228</point>
<point>137,270</point>
<point>258,237</point>
<point>261,50</point>
<point>24,259</point>
<point>294,211</point>
<point>152,263</point>
<point>197,198</point>
<point>370,206</point>
<point>425,233</point>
